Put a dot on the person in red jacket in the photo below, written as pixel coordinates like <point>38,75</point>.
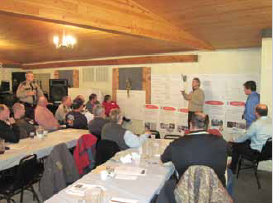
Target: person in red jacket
<point>109,105</point>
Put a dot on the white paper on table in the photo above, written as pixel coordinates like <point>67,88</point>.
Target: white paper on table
<point>125,177</point>
<point>127,170</point>
<point>17,147</point>
<point>125,200</point>
<point>80,188</point>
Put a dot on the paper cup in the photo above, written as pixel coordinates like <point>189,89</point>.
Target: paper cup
<point>104,175</point>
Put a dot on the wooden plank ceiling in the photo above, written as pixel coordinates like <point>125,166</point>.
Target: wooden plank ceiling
<point>113,28</point>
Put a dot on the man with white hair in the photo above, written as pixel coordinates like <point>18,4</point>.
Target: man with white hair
<point>114,131</point>
<point>95,126</point>
<point>9,131</point>
<point>44,117</point>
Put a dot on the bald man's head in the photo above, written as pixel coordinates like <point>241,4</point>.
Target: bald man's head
<point>18,110</point>
<point>42,101</point>
<point>261,110</point>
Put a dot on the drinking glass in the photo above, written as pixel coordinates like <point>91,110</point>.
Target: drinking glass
<point>2,146</point>
<point>32,135</point>
<point>40,132</point>
<point>94,195</point>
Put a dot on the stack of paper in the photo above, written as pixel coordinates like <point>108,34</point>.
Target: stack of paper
<point>79,189</point>
<point>128,170</point>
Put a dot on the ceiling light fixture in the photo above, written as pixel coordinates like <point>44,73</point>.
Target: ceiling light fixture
<point>67,41</point>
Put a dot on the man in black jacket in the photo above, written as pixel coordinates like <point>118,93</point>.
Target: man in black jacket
<point>9,131</point>
<point>198,148</point>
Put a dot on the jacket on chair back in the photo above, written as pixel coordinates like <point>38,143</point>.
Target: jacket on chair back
<point>60,171</point>
<point>85,153</point>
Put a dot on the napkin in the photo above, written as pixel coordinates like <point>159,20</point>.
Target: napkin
<point>126,159</point>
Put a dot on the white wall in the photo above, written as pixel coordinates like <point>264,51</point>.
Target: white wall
<point>232,61</point>
<point>266,73</point>
<point>266,85</point>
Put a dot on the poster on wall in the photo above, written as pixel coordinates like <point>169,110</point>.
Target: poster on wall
<point>167,119</point>
<point>151,116</point>
<point>132,104</point>
<point>182,121</point>
<point>166,90</point>
<point>224,99</point>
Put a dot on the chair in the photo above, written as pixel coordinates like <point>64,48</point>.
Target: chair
<point>85,153</point>
<point>26,174</point>
<point>105,150</point>
<point>266,154</point>
<point>156,133</point>
<point>60,171</point>
<point>200,184</point>
<point>171,137</point>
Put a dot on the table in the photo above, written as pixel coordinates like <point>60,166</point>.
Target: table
<point>40,147</point>
<point>143,188</point>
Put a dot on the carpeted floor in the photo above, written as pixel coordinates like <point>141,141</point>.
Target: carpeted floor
<point>245,188</point>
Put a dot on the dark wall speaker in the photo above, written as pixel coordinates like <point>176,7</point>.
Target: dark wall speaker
<point>58,88</point>
<point>17,78</point>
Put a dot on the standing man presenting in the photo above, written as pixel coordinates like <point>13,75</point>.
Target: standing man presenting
<point>252,100</point>
<point>28,92</point>
<point>195,98</point>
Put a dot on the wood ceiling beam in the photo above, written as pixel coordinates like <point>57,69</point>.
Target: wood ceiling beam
<point>9,64</point>
<point>121,61</point>
<point>116,16</point>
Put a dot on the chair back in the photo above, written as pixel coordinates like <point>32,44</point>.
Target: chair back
<point>156,133</point>
<point>200,184</point>
<point>85,153</point>
<point>266,153</point>
<point>27,171</point>
<point>171,137</point>
<point>105,150</point>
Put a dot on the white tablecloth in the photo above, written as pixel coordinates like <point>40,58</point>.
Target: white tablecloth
<point>40,147</point>
<point>142,189</point>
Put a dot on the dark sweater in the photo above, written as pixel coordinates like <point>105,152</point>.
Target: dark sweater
<point>10,133</point>
<point>198,149</point>
<point>79,120</point>
<point>25,127</point>
<point>114,132</point>
<point>95,126</point>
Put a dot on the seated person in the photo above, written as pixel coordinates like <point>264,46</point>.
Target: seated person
<point>63,109</point>
<point>89,116</point>
<point>26,125</point>
<point>109,105</point>
<point>44,117</point>
<point>81,97</point>
<point>75,118</point>
<point>95,126</point>
<point>9,131</point>
<point>256,136</point>
<point>92,102</point>
<point>210,131</point>
<point>198,148</point>
<point>114,131</point>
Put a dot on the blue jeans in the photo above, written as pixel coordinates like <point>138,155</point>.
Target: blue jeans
<point>229,186</point>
